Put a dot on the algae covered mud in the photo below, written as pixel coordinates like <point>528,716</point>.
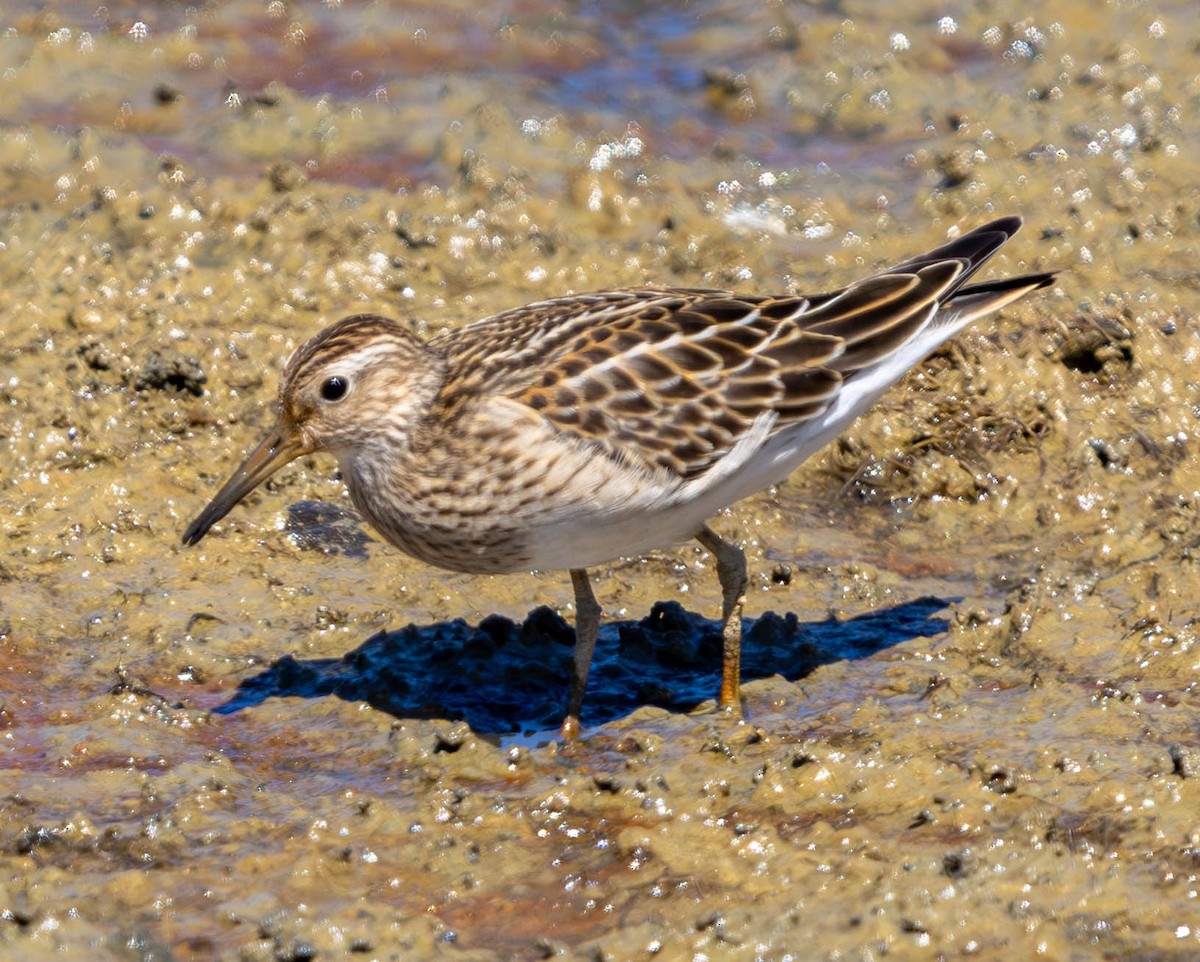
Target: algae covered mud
<point>970,675</point>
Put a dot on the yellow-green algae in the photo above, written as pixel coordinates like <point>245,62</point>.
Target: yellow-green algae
<point>186,200</point>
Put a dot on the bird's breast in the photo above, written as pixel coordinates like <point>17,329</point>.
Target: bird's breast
<point>502,490</point>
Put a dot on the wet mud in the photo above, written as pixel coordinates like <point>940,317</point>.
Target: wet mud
<point>971,659</point>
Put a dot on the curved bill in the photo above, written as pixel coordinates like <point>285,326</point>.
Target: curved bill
<point>273,453</point>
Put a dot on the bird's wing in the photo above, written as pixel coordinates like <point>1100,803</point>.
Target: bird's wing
<point>674,379</point>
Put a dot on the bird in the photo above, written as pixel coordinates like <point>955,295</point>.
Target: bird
<point>574,431</point>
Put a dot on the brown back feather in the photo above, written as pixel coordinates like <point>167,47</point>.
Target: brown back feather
<point>674,378</point>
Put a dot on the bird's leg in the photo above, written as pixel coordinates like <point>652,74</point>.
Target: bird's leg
<point>731,570</point>
<point>587,628</point>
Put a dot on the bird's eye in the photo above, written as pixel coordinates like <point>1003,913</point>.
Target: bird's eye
<point>334,388</point>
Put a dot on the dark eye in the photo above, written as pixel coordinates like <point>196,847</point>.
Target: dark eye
<point>334,388</point>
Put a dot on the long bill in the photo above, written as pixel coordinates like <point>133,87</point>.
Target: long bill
<point>275,450</point>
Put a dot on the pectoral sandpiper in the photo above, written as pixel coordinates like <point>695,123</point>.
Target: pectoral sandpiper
<point>573,431</point>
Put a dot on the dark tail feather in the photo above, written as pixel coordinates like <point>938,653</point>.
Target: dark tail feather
<point>968,303</point>
<point>973,249</point>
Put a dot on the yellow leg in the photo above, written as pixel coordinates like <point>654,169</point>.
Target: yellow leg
<point>731,570</point>
<point>587,629</point>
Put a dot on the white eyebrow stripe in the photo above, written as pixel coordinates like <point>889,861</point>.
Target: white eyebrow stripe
<point>360,359</point>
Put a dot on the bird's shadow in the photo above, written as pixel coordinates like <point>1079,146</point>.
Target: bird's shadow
<point>503,677</point>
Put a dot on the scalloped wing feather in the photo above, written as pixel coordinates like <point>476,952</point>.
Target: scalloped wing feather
<point>676,380</point>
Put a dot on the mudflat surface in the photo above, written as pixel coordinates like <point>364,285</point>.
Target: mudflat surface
<point>970,723</point>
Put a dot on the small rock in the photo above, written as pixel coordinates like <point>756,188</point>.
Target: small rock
<point>170,369</point>
<point>1186,761</point>
<point>453,738</point>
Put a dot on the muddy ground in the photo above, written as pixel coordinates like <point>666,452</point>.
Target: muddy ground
<point>970,685</point>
